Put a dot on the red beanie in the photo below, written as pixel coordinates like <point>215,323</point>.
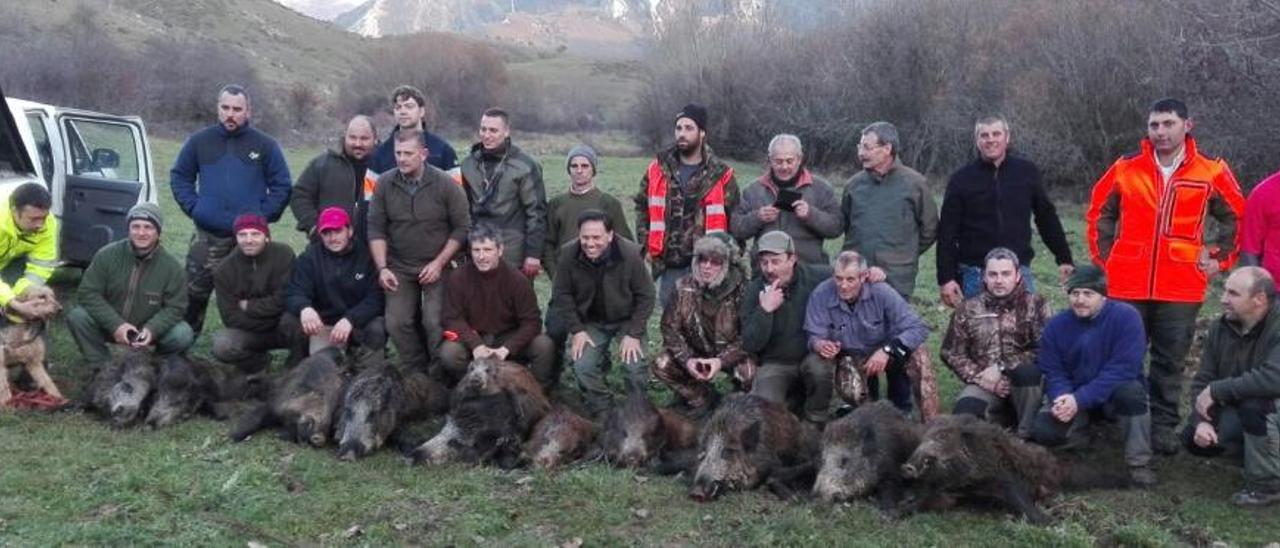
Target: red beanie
<point>254,221</point>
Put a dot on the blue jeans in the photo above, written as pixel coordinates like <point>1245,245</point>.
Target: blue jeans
<point>971,280</point>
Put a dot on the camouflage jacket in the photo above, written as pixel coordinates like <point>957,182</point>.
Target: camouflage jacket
<point>681,231</point>
<point>987,330</point>
<point>700,323</point>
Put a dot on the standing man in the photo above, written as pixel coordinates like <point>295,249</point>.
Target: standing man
<point>132,294</point>
<point>26,232</point>
<point>889,215</point>
<point>504,186</point>
<point>991,345</point>
<point>1146,228</point>
<point>418,220</point>
<point>583,194</point>
<point>340,178</point>
<point>788,197</point>
<point>221,172</point>
<point>1262,226</point>
<point>334,294</point>
<point>988,204</point>
<point>494,312</point>
<point>603,292</point>
<point>1091,357</point>
<point>870,329</point>
<point>700,329</point>
<point>409,106</point>
<point>772,316</point>
<point>685,193</point>
<point>1238,385</point>
<point>250,285</point>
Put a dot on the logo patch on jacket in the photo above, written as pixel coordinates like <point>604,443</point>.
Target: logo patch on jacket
<point>359,276</point>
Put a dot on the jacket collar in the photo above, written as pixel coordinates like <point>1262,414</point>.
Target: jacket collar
<point>1191,151</point>
<point>803,180</point>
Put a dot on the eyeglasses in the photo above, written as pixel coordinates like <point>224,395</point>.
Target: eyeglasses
<point>709,259</point>
<point>865,147</point>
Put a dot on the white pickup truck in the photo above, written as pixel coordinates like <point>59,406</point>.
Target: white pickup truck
<point>95,165</point>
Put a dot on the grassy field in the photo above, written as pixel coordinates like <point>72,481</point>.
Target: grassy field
<point>68,479</point>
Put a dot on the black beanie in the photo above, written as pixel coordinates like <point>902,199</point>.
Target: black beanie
<point>1088,277</point>
<point>695,112</point>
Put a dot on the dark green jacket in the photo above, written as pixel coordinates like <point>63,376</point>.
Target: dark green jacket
<point>119,287</point>
<point>621,279</point>
<point>890,221</point>
<point>507,192</point>
<point>417,218</point>
<point>1240,366</point>
<point>562,221</point>
<point>258,280</point>
<point>779,336</point>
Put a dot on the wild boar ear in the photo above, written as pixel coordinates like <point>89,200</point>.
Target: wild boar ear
<point>751,437</point>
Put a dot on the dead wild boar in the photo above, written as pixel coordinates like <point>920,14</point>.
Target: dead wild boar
<point>186,387</point>
<point>121,391</point>
<point>862,454</point>
<point>488,377</point>
<point>559,438</point>
<point>745,442</point>
<point>967,457</point>
<point>638,433</point>
<point>302,402</point>
<point>378,401</point>
<point>479,430</point>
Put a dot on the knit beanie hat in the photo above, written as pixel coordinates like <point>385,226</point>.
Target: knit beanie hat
<point>695,112</point>
<point>585,152</point>
<point>1088,277</point>
<point>251,221</point>
<point>148,212</point>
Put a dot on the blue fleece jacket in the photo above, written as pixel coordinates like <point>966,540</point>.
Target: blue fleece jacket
<point>1091,357</point>
<point>240,172</point>
<point>439,153</point>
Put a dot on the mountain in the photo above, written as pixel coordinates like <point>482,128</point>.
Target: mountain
<point>324,10</point>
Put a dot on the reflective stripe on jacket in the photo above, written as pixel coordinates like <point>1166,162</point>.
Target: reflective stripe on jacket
<point>713,204</point>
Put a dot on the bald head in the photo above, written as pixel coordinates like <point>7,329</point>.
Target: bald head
<point>360,137</point>
<point>1258,281</point>
<point>1247,295</point>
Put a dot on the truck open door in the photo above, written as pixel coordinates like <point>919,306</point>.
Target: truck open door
<point>108,169</point>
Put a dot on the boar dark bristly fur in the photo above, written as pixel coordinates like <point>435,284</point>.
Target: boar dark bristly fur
<point>745,442</point>
<point>303,402</point>
<point>638,433</point>
<point>378,401</point>
<point>862,454</point>
<point>967,457</point>
<point>489,377</point>
<point>559,438</point>
<point>479,430</point>
<point>187,387</point>
<point>122,390</point>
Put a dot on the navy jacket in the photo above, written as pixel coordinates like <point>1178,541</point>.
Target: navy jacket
<point>439,153</point>
<point>336,285</point>
<point>1091,357</point>
<point>241,172</point>
<point>986,207</point>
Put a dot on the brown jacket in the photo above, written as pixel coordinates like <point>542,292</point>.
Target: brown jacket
<point>496,302</point>
<point>700,323</point>
<point>988,330</point>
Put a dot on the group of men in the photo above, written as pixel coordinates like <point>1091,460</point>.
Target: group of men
<point>408,244</point>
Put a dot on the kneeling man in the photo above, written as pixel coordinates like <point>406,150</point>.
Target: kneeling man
<point>991,345</point>
<point>133,294</point>
<point>1238,386</point>
<point>250,285</point>
<point>492,312</point>
<point>700,334</point>
<point>1091,358</point>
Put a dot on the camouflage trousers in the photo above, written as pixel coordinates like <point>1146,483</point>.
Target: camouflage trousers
<point>206,252</point>
<point>851,381</point>
<point>691,389</point>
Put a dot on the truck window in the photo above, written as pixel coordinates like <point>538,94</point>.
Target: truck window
<point>102,149</point>
<point>43,148</point>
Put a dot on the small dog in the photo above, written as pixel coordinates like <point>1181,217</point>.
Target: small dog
<point>22,342</point>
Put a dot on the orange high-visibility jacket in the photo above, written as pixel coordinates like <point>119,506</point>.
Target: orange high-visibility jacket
<point>1148,234</point>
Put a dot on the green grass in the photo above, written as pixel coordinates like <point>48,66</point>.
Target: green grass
<point>68,479</point>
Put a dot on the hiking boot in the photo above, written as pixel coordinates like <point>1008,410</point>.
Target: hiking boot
<point>1165,442</point>
<point>1142,476</point>
<point>1255,497</point>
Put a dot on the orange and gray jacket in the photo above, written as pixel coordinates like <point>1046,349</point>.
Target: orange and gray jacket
<point>1148,234</point>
